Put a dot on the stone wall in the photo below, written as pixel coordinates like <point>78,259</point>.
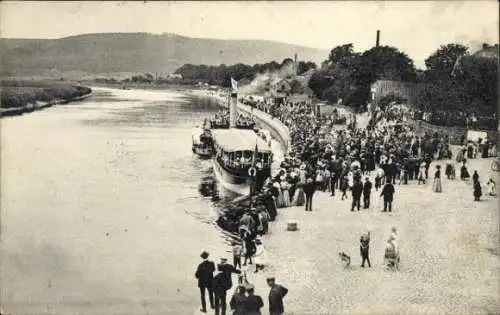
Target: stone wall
<point>278,130</point>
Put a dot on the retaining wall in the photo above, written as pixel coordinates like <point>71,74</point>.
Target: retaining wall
<point>278,130</point>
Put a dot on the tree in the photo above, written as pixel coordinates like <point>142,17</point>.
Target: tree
<point>320,81</point>
<point>340,53</point>
<point>478,77</point>
<point>386,63</point>
<point>286,61</point>
<point>305,66</point>
<point>440,64</point>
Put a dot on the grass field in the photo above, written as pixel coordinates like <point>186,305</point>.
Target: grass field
<point>25,94</point>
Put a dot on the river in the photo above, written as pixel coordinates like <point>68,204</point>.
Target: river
<point>100,209</point>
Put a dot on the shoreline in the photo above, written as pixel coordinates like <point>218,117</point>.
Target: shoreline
<point>18,111</point>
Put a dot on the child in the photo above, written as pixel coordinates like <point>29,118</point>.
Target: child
<point>237,251</point>
<point>343,187</point>
<point>450,171</point>
<point>491,187</point>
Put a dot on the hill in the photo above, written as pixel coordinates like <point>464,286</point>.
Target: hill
<point>108,53</point>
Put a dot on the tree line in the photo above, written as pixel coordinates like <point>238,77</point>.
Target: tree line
<point>221,75</point>
<point>452,80</point>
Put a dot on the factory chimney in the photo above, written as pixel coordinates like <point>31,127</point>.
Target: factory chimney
<point>378,38</point>
<point>295,65</point>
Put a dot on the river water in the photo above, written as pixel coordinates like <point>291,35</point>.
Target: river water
<point>100,209</point>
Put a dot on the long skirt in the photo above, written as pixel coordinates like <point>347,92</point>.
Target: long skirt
<point>280,202</point>
<point>260,257</point>
<point>300,197</point>
<point>286,198</point>
<point>437,185</point>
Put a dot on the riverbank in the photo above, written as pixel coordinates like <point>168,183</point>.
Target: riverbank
<point>16,111</point>
<point>24,96</point>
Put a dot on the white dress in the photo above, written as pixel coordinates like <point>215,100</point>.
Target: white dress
<point>260,256</point>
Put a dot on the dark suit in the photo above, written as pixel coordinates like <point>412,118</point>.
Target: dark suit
<point>388,192</point>
<point>357,189</point>
<point>253,304</point>
<point>205,274</point>
<point>309,189</point>
<point>220,293</point>
<point>227,270</point>
<point>367,190</point>
<point>276,295</point>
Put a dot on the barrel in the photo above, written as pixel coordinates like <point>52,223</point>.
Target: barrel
<point>291,225</point>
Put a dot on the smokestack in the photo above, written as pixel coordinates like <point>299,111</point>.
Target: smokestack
<point>378,38</point>
<point>295,66</point>
<point>233,109</point>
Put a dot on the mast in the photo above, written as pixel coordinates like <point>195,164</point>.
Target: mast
<point>233,106</point>
<point>253,172</point>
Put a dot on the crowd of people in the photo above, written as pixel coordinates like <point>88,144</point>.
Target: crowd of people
<point>244,301</point>
<point>456,118</point>
<point>221,120</point>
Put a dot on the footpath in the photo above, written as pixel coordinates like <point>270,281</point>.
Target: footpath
<point>449,248</point>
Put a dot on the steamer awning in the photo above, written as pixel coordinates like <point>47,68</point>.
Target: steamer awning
<point>231,140</point>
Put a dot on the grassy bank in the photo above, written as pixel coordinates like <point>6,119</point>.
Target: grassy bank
<point>21,96</point>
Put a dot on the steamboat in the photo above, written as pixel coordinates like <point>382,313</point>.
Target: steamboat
<point>239,154</point>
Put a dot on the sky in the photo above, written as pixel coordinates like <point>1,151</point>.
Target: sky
<point>415,27</point>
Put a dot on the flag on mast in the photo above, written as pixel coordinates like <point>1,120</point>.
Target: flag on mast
<point>234,84</point>
<point>254,156</point>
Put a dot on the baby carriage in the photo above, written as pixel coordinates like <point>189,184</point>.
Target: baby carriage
<point>391,257</point>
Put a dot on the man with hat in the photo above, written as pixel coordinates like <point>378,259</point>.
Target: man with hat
<point>237,302</point>
<point>276,295</point>
<point>367,189</point>
<point>204,274</point>
<point>227,270</point>
<point>253,303</point>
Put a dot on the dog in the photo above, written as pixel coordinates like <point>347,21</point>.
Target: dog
<point>345,259</point>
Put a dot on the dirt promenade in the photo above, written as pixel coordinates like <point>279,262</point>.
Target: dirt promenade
<point>449,253</point>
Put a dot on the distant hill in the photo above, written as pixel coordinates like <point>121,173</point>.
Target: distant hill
<point>109,53</point>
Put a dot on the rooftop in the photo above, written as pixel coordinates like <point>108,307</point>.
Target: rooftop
<point>231,140</point>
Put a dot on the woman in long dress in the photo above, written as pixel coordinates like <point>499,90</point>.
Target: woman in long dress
<point>421,173</point>
<point>464,173</point>
<point>279,199</point>
<point>285,188</point>
<point>460,156</point>
<point>437,180</point>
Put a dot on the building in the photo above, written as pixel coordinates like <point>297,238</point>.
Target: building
<point>488,52</point>
<point>244,82</point>
<point>405,90</point>
<point>174,76</point>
